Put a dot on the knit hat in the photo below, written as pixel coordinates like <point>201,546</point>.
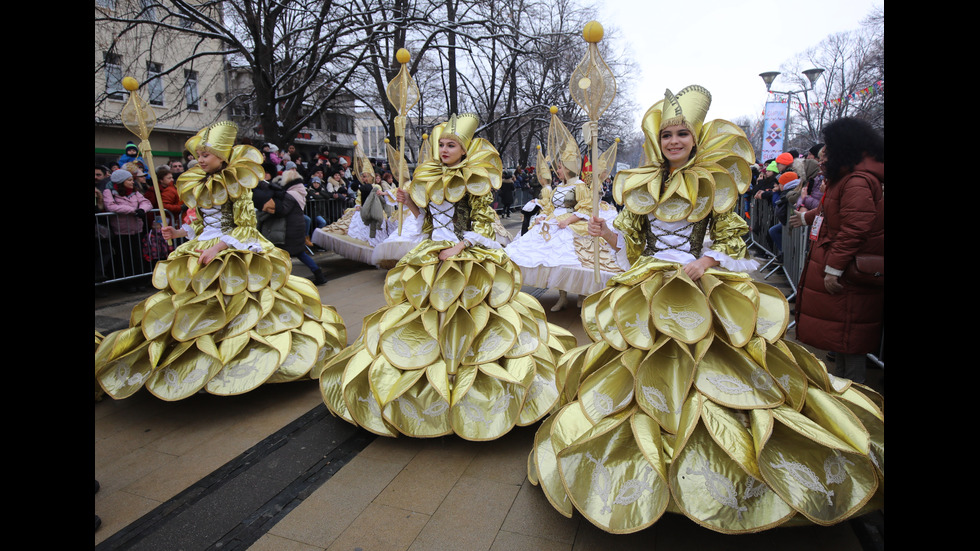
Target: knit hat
<point>787,177</point>
<point>120,176</point>
<point>815,150</point>
<point>289,166</point>
<point>784,159</point>
<point>772,167</point>
<point>130,145</point>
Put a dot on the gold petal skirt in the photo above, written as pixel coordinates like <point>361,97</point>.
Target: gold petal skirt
<point>689,401</point>
<point>226,328</point>
<point>457,349</point>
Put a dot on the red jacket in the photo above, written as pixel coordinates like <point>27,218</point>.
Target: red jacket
<point>171,203</point>
<point>853,210</point>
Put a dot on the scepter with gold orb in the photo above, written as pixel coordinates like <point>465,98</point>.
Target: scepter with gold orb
<point>140,119</point>
<point>593,87</point>
<point>403,94</point>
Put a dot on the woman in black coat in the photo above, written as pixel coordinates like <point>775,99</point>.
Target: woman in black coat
<point>506,192</point>
<point>281,220</point>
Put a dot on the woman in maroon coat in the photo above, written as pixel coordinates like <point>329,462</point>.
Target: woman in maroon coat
<point>832,312</point>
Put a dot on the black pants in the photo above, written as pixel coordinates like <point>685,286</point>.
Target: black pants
<point>527,218</point>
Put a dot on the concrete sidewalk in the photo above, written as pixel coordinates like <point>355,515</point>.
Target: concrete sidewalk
<point>272,469</point>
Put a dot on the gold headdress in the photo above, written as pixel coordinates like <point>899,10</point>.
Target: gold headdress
<point>688,108</point>
<point>425,150</point>
<point>711,181</point>
<point>218,139</point>
<point>477,174</point>
<point>243,169</point>
<point>562,147</point>
<point>459,127</point>
<point>543,170</point>
<point>362,165</point>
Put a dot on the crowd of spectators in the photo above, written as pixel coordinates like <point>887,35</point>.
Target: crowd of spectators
<point>788,182</point>
<point>128,221</point>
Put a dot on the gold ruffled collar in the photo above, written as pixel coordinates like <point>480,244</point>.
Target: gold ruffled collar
<point>243,171</point>
<point>478,174</point>
<point>710,182</point>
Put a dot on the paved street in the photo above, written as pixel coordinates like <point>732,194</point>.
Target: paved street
<point>273,469</point>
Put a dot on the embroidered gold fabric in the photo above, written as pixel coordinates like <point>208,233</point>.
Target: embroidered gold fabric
<point>458,348</point>
<point>689,400</point>
<point>226,327</point>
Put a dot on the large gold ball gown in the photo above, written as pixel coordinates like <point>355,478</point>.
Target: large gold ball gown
<point>689,400</point>
<point>458,348</point>
<point>227,327</point>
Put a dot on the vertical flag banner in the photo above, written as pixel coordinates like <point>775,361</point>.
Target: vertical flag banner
<point>774,130</point>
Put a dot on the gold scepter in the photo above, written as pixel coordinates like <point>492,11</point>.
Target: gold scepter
<point>139,118</point>
<point>593,87</point>
<point>403,94</point>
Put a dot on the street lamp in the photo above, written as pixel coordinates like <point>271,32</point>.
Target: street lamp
<point>811,74</point>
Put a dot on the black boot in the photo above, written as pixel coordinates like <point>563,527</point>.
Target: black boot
<point>319,278</point>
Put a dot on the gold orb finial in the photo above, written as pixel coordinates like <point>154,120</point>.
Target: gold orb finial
<point>592,32</point>
<point>387,140</point>
<point>355,143</point>
<point>617,140</point>
<point>403,56</point>
<point>130,84</point>
<point>425,136</point>
<point>553,109</point>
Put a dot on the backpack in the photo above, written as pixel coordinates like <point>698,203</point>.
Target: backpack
<point>155,247</point>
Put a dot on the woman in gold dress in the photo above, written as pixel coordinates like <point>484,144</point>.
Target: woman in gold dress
<point>228,315</point>
<point>365,225</point>
<point>689,400</point>
<point>458,348</point>
<point>557,251</point>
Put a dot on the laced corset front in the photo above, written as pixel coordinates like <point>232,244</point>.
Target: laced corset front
<point>682,236</point>
<point>449,220</point>
<point>217,221</point>
<point>563,197</point>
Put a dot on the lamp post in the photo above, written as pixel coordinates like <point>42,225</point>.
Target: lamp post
<point>811,74</point>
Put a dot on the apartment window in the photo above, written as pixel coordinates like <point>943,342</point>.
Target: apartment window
<point>154,86</point>
<point>315,123</point>
<point>190,90</point>
<point>113,77</point>
<point>338,122</point>
<point>241,108</point>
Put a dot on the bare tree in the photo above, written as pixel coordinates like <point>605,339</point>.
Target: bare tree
<point>288,60</point>
<point>300,54</point>
<point>853,64</point>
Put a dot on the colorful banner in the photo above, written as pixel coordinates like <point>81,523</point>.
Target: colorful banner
<point>876,88</point>
<point>773,130</point>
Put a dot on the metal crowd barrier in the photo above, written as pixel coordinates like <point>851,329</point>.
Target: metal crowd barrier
<point>330,210</point>
<point>119,257</point>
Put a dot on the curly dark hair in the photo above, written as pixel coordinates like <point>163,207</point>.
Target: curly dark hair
<point>848,140</point>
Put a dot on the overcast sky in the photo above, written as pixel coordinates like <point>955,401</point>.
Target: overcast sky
<point>722,45</point>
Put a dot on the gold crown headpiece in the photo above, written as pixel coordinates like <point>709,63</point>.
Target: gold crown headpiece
<point>362,165</point>
<point>459,127</point>
<point>218,139</point>
<point>562,147</point>
<point>689,107</point>
<point>543,169</point>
